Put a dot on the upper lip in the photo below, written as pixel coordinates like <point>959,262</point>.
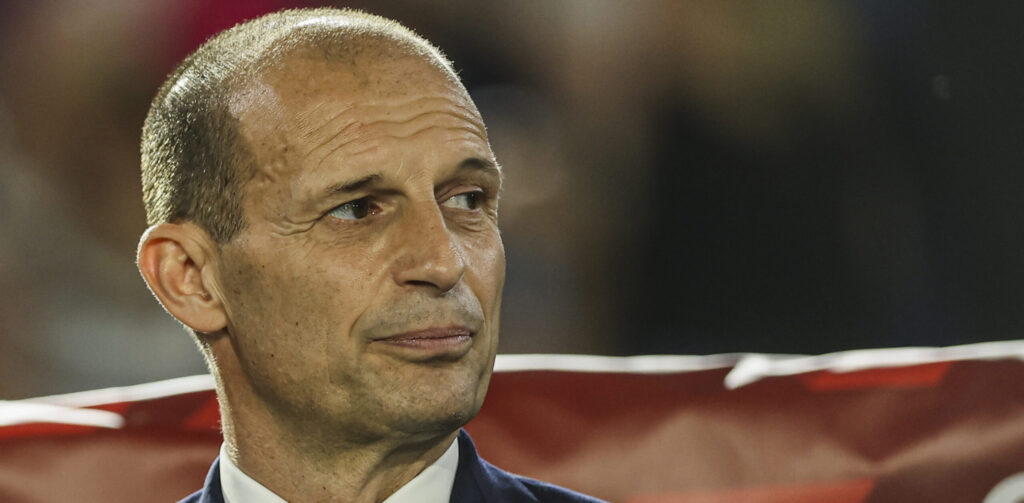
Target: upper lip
<point>431,333</point>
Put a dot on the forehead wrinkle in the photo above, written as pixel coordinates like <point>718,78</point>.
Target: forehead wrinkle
<point>304,118</point>
<point>418,131</point>
<point>355,125</point>
<point>469,115</point>
<point>356,136</point>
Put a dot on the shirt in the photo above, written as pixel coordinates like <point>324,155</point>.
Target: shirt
<point>432,485</point>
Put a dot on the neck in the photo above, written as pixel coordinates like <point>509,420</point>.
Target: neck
<point>302,461</point>
<point>299,468</point>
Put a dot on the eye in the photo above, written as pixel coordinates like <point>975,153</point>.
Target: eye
<point>354,210</point>
<point>464,201</point>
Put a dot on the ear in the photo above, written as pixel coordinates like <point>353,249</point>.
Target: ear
<point>177,262</point>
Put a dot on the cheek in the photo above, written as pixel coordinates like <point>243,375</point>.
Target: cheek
<point>485,255</point>
<point>286,316</point>
<point>485,275</point>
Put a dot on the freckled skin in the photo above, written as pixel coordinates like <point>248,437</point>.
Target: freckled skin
<point>308,295</point>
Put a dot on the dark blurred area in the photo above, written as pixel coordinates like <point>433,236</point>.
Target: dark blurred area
<point>697,177</point>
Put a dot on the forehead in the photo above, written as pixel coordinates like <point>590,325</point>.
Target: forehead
<point>297,93</point>
<point>305,103</point>
<point>313,124</point>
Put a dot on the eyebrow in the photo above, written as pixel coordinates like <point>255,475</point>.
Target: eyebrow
<point>480,164</point>
<point>477,163</point>
<point>469,164</point>
<point>354,185</point>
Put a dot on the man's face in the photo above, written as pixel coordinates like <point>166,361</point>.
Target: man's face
<point>364,292</point>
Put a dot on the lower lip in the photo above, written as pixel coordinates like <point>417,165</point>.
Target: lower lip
<point>431,347</point>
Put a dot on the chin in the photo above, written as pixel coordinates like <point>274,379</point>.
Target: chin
<point>439,417</point>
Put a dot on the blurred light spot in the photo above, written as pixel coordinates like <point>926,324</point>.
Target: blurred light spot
<point>941,88</point>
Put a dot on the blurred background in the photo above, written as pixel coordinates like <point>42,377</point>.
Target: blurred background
<point>798,176</point>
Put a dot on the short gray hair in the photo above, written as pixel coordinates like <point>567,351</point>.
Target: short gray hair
<point>195,164</point>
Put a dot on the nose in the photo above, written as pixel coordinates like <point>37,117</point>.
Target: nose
<point>430,255</point>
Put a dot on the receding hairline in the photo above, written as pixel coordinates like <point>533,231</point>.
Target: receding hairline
<point>194,164</point>
<point>352,39</point>
<point>360,56</point>
<point>340,46</point>
<point>347,37</point>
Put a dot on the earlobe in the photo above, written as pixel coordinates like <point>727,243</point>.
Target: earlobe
<point>175,260</point>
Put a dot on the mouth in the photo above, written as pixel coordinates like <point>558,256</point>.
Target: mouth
<point>435,342</point>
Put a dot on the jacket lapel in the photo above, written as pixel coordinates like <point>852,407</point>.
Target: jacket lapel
<point>211,492</point>
<point>471,484</point>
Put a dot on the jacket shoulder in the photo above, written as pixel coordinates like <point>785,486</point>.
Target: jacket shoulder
<point>508,487</point>
<point>548,493</point>
<point>191,498</point>
<point>476,480</point>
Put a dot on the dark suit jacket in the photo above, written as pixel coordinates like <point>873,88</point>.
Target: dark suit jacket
<point>475,481</point>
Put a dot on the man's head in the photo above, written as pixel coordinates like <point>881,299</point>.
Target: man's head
<point>193,160</point>
<point>323,202</point>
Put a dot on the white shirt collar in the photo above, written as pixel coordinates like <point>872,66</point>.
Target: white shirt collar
<point>432,485</point>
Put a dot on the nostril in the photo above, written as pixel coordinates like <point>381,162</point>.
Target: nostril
<point>421,283</point>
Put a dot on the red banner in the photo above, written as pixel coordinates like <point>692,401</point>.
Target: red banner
<point>936,425</point>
